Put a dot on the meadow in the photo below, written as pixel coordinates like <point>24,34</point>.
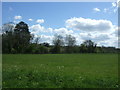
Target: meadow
<point>60,70</point>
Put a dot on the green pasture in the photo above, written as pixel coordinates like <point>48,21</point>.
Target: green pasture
<point>60,70</point>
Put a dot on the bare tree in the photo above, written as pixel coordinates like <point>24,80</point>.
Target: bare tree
<point>70,43</point>
<point>57,42</point>
<point>37,40</point>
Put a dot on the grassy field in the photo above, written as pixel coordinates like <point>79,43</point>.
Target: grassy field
<point>60,71</point>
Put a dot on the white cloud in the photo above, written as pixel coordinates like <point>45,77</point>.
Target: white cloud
<point>18,17</point>
<point>37,29</point>
<point>90,25</point>
<point>63,31</point>
<point>40,21</point>
<point>46,38</point>
<point>106,10</point>
<point>48,30</point>
<point>96,37</point>
<point>96,9</point>
<point>116,31</point>
<point>30,19</point>
<point>114,4</point>
<point>42,32</point>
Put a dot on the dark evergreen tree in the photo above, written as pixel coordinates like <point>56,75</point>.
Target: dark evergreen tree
<point>22,37</point>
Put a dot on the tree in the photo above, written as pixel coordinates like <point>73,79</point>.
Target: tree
<point>57,42</point>
<point>22,36</point>
<point>15,39</point>
<point>70,43</point>
<point>37,40</point>
<point>83,48</point>
<point>7,37</point>
<point>88,46</point>
<point>45,44</point>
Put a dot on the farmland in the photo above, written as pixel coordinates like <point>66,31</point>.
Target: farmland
<point>60,70</point>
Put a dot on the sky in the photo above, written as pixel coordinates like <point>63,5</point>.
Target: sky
<point>96,21</point>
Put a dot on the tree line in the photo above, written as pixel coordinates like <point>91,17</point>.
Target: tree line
<point>18,39</point>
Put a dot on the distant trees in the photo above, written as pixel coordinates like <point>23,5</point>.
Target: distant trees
<point>88,47</point>
<point>18,39</point>
<point>70,42</point>
<point>83,48</point>
<point>58,42</point>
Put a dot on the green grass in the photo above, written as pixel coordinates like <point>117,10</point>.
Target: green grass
<point>60,71</point>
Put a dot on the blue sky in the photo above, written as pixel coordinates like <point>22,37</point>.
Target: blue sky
<point>55,14</point>
<point>60,17</point>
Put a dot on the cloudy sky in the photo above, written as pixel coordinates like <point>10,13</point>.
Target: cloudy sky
<point>96,21</point>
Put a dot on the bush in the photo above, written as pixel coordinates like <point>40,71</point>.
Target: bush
<point>13,51</point>
<point>43,49</point>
